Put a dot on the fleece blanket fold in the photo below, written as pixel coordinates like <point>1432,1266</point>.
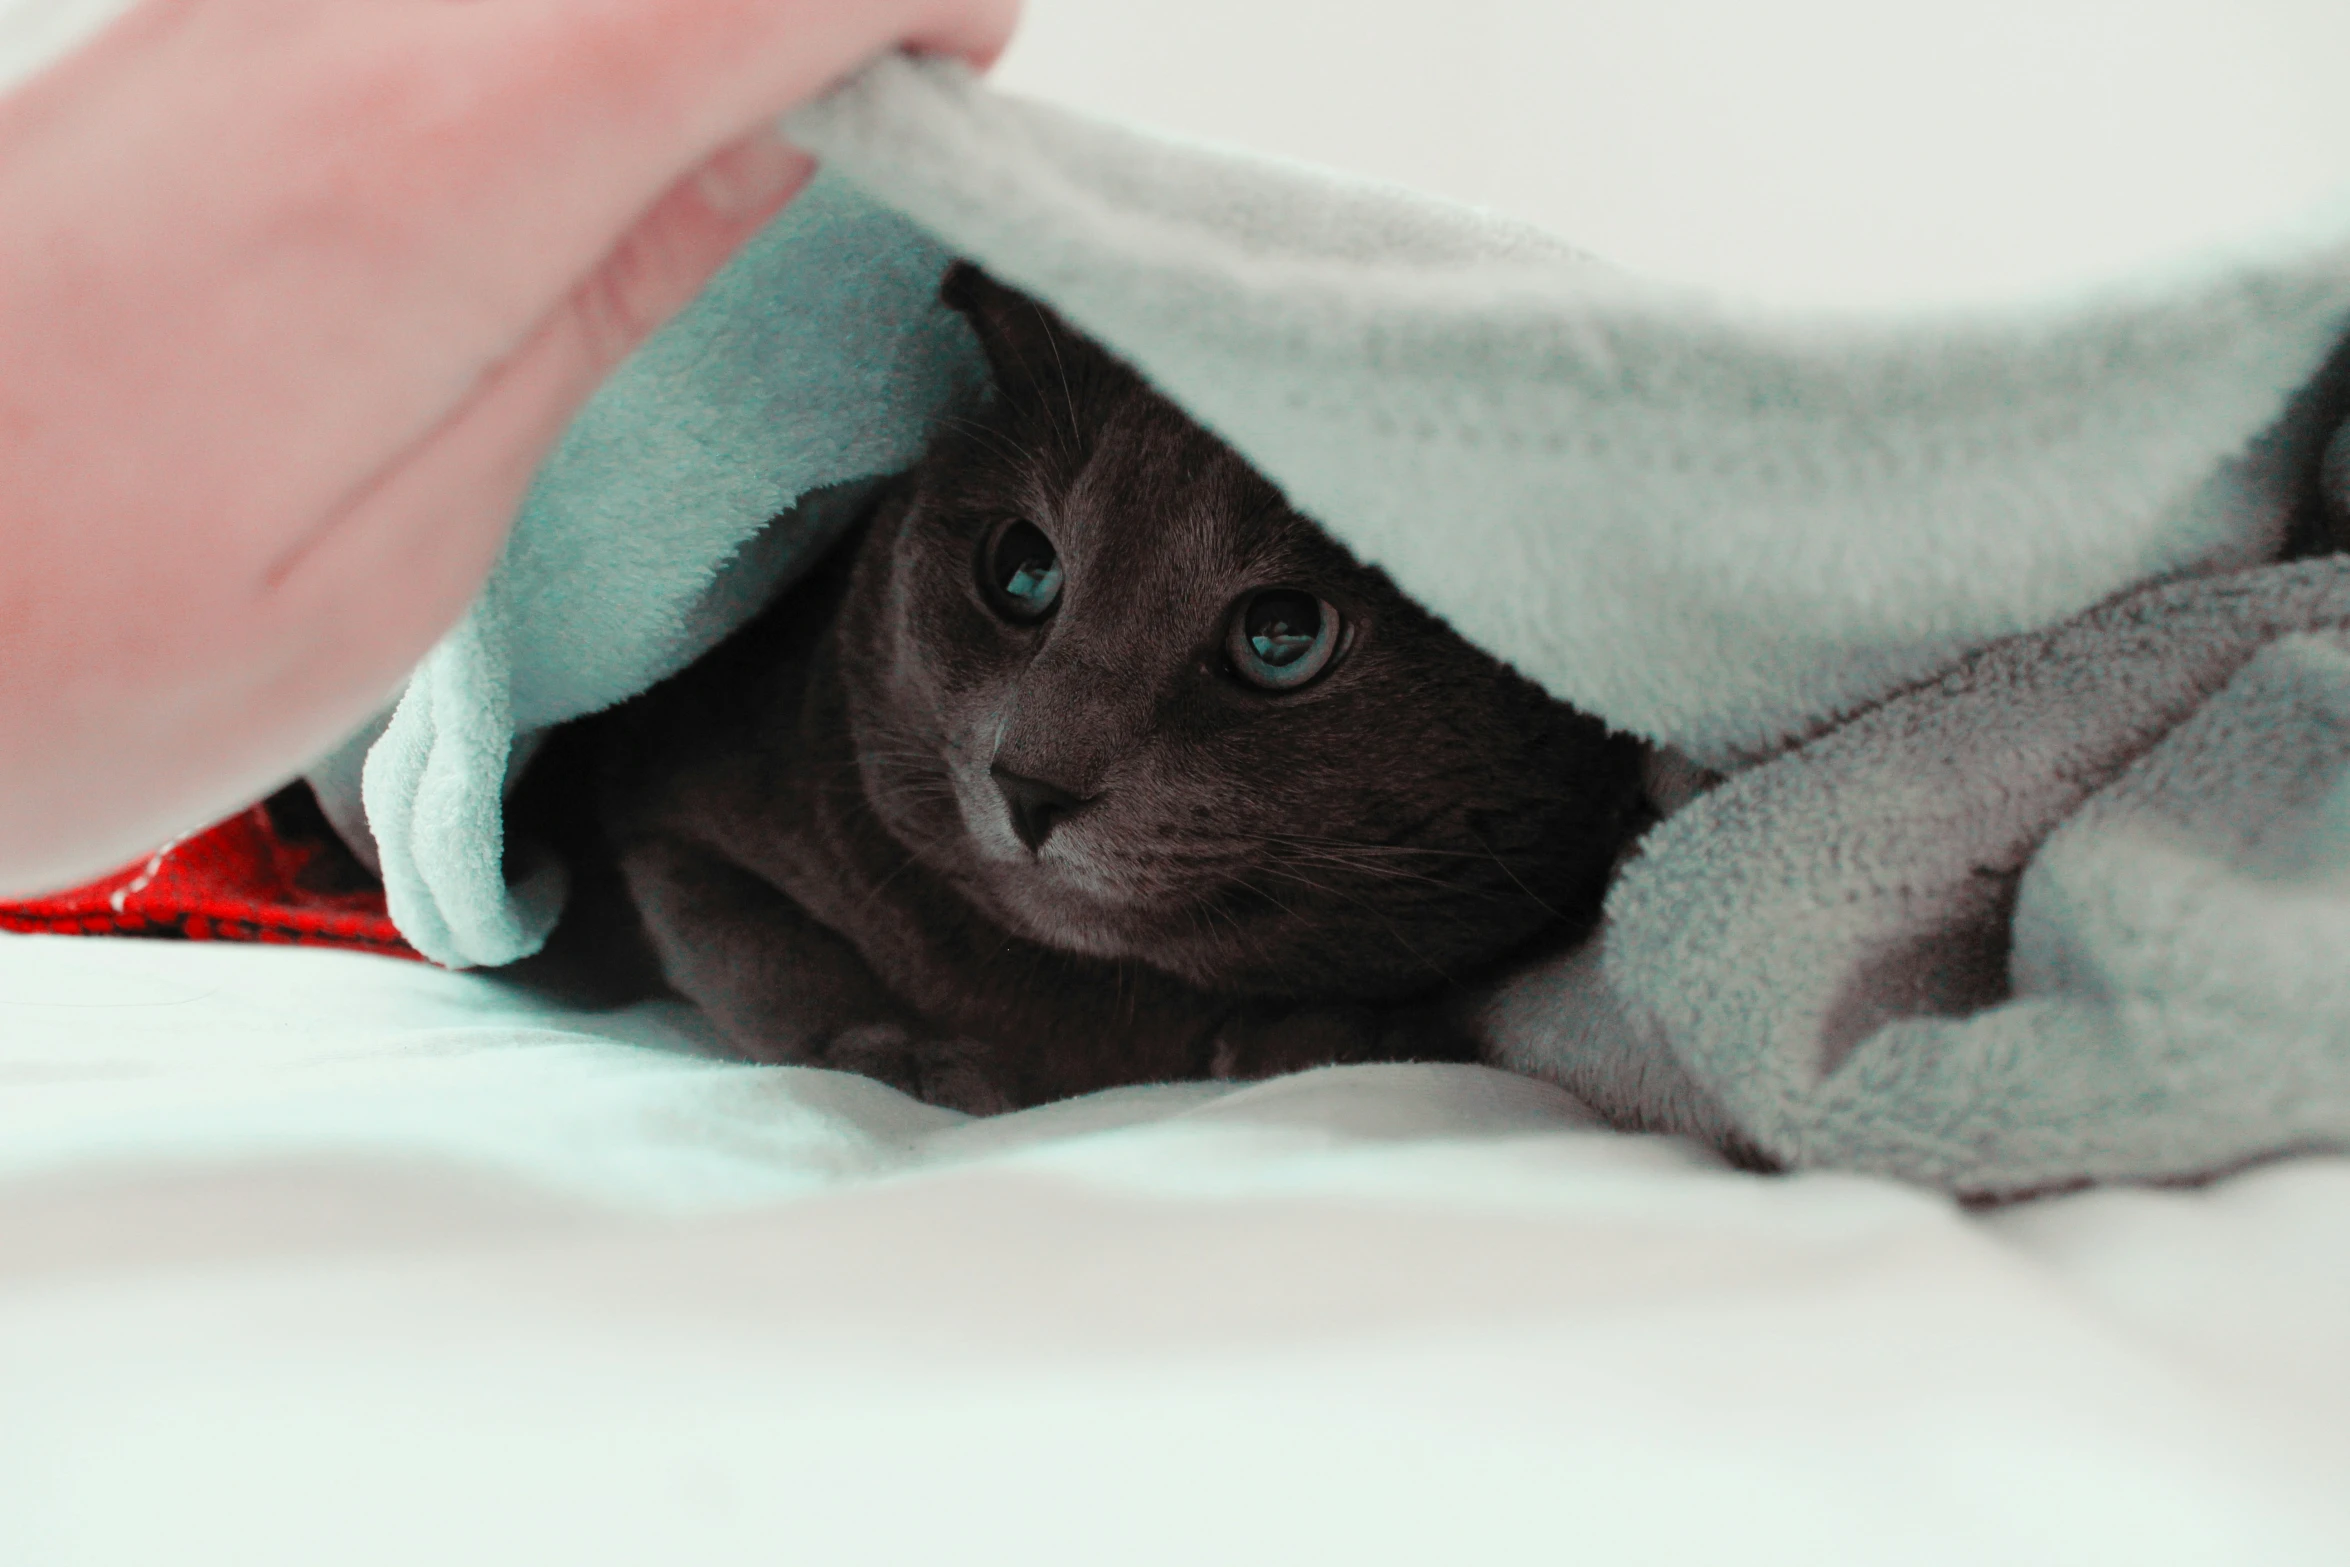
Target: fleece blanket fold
<point>1718,527</point>
<point>667,516</point>
<point>2077,909</point>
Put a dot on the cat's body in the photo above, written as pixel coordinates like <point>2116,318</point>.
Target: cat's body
<point>1089,762</point>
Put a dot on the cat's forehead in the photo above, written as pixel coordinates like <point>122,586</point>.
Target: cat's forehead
<point>1154,493</point>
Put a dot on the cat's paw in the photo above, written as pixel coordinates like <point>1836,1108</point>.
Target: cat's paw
<point>954,1074</point>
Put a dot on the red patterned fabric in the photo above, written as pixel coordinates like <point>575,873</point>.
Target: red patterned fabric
<point>240,880</point>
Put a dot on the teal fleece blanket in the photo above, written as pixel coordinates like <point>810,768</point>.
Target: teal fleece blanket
<point>1724,529</point>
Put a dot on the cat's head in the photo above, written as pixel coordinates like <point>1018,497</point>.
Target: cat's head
<point>1111,685</point>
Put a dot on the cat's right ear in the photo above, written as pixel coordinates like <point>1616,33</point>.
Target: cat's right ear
<point>1029,348</point>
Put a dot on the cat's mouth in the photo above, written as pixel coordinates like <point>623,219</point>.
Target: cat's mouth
<point>1063,887</point>
<point>1067,891</point>
<point>1047,880</point>
<point>1086,890</point>
<point>1075,909</point>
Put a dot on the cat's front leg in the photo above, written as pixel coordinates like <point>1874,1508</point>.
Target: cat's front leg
<point>955,1074</point>
<point>783,987</point>
<point>1268,1041</point>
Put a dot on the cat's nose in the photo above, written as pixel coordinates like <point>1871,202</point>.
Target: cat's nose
<point>1036,806</point>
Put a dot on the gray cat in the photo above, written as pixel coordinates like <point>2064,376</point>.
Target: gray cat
<point>1088,761</point>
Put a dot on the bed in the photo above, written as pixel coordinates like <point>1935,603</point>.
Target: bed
<point>323,1256</point>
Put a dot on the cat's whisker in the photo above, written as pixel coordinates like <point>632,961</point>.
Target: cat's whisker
<point>1012,453</point>
<point>1373,910</point>
<point>1195,918</point>
<point>913,857</point>
<point>1337,853</point>
<point>1539,902</point>
<point>1355,859</point>
<point>1456,881</point>
<point>912,795</point>
<point>849,780</point>
<point>1068,397</point>
<point>1360,846</point>
<point>1241,939</point>
<point>1386,875</point>
<point>862,800</point>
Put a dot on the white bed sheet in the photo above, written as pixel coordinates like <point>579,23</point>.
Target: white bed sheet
<point>312,1257</point>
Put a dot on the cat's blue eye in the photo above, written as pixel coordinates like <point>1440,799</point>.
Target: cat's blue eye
<point>1020,570</point>
<point>1282,638</point>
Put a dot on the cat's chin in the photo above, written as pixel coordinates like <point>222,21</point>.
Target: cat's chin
<point>1033,903</point>
<point>1084,935</point>
<point>1084,927</point>
<point>1075,899</point>
<point>1058,917</point>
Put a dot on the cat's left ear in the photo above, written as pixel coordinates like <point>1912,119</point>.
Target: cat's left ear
<point>1031,350</point>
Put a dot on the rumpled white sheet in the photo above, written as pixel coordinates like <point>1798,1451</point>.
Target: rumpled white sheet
<point>312,1257</point>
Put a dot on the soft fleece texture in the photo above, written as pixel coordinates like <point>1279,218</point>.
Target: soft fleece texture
<point>645,540</point>
<point>2063,914</point>
<point>1717,529</point>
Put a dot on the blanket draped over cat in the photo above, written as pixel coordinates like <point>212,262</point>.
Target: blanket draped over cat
<point>2071,906</point>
